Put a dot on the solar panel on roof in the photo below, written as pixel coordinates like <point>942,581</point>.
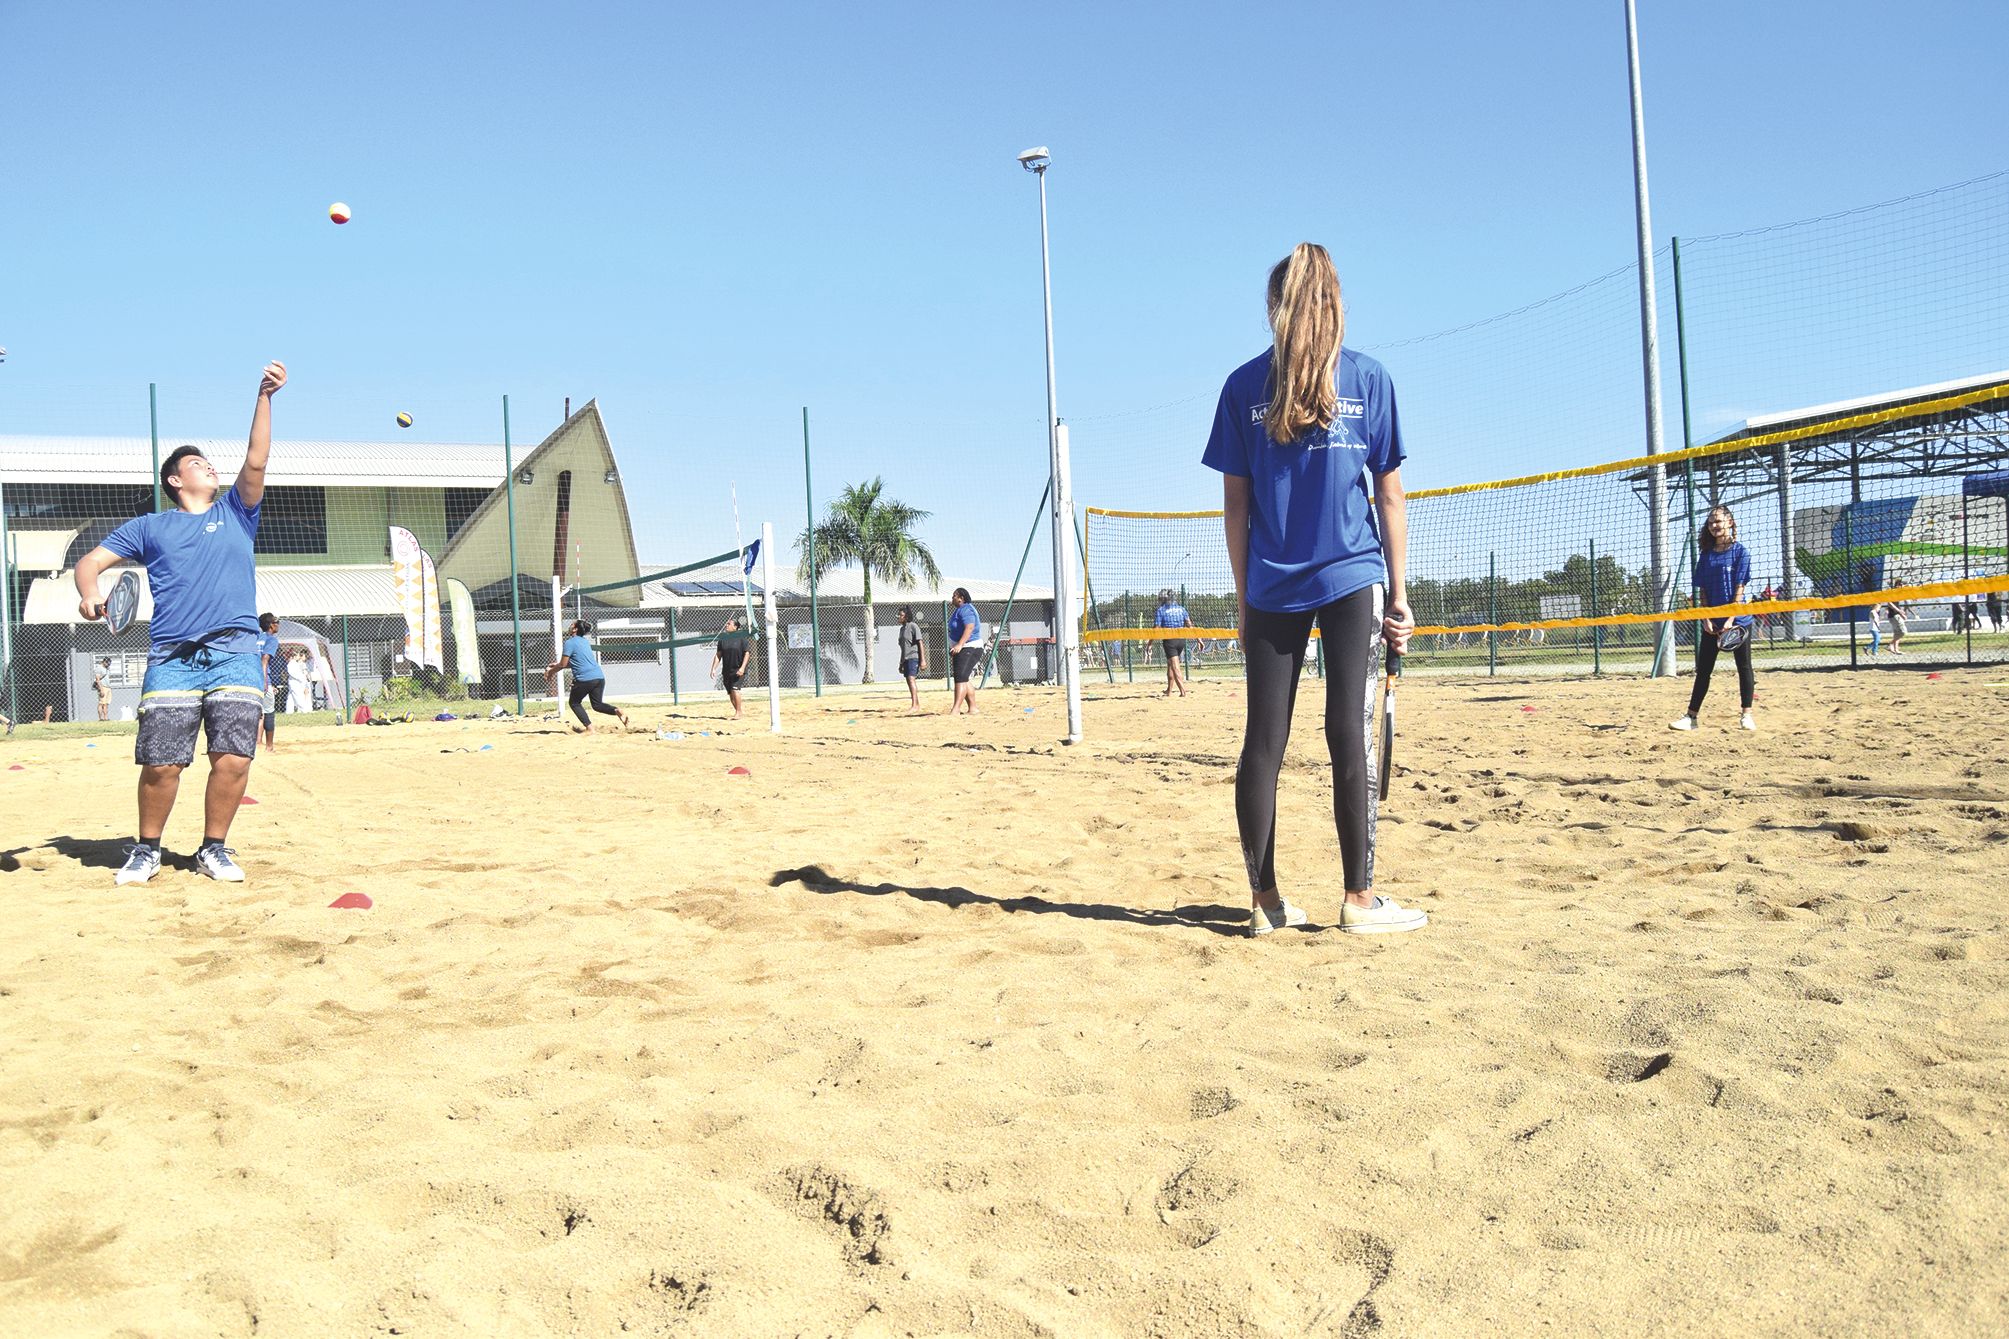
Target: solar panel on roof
<point>688,588</point>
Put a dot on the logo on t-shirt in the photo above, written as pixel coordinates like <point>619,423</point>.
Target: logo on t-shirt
<point>212,527</point>
<point>1349,408</point>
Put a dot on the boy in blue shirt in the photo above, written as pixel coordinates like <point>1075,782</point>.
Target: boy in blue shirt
<point>205,670</point>
<point>1172,614</point>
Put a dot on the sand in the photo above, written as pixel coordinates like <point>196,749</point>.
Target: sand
<point>935,1027</point>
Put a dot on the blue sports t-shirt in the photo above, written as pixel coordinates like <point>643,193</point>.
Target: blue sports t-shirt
<point>965,616</point>
<point>268,645</point>
<point>1173,615</point>
<point>585,665</point>
<point>1720,572</point>
<point>203,575</point>
<point>1312,535</point>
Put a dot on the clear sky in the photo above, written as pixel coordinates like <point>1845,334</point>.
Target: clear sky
<point>709,217</point>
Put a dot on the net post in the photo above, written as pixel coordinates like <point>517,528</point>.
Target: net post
<point>773,628</point>
<point>153,436</point>
<point>1596,629</point>
<point>809,502</point>
<point>1849,530</point>
<point>1129,668</point>
<point>348,698</point>
<point>1786,537</point>
<point>675,699</point>
<point>1492,612</point>
<point>948,661</point>
<point>515,587</point>
<point>7,609</point>
<point>1966,574</point>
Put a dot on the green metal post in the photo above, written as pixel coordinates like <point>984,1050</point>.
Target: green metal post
<point>1011,598</point>
<point>809,501</point>
<point>153,434</point>
<point>348,696</point>
<point>948,661</point>
<point>1492,612</point>
<point>1129,666</point>
<point>1088,592</point>
<point>675,699</point>
<point>1597,629</point>
<point>7,612</point>
<point>515,586</point>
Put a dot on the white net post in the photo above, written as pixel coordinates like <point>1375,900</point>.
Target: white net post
<point>773,627</point>
<point>1067,613</point>
<point>558,639</point>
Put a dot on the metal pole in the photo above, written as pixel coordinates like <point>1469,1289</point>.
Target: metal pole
<point>1786,538</point>
<point>1649,342</point>
<point>1492,612</point>
<point>773,628</point>
<point>348,696</point>
<point>809,502</point>
<point>1010,597</point>
<point>675,699</point>
<point>7,610</point>
<point>1966,574</point>
<point>1849,576</point>
<point>1069,635</point>
<point>153,435</point>
<point>515,591</point>
<point>1129,666</point>
<point>949,661</point>
<point>1088,596</point>
<point>1597,629</point>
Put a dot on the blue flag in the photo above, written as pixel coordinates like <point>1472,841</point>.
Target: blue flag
<point>752,554</point>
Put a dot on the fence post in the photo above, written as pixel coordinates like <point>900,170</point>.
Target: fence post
<point>1597,629</point>
<point>7,611</point>
<point>1492,612</point>
<point>809,499</point>
<point>948,660</point>
<point>1129,668</point>
<point>1966,574</point>
<point>675,699</point>
<point>1849,541</point>
<point>348,697</point>
<point>1786,537</point>
<point>515,589</point>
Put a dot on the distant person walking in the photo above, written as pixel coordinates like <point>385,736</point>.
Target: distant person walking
<point>1875,628</point>
<point>913,656</point>
<point>731,659</point>
<point>966,651</point>
<point>1722,570</point>
<point>272,662</point>
<point>1172,614</point>
<point>101,679</point>
<point>1899,616</point>
<point>1994,608</point>
<point>589,680</point>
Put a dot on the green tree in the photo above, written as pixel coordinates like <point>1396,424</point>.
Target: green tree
<point>866,527</point>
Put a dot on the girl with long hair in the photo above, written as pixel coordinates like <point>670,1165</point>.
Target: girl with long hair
<point>1299,432</point>
<point>1722,570</point>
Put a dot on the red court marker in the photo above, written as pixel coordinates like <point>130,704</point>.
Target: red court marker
<point>1527,708</point>
<point>738,771</point>
<point>246,800</point>
<point>352,902</point>
<point>1934,676</point>
<point>17,767</point>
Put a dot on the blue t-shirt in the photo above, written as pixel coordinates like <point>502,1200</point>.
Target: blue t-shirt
<point>1720,572</point>
<point>268,645</point>
<point>202,571</point>
<point>585,665</point>
<point>1312,535</point>
<point>1173,615</point>
<point>965,616</point>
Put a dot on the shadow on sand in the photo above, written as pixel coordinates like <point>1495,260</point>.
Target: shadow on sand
<point>1212,919</point>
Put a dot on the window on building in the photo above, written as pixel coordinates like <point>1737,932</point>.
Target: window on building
<point>293,519</point>
<point>461,505</point>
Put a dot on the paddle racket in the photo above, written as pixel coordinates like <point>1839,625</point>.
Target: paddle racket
<point>1388,719</point>
<point>1733,637</point>
<point>123,604</point>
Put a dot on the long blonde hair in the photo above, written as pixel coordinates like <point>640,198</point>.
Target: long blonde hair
<point>1309,322</point>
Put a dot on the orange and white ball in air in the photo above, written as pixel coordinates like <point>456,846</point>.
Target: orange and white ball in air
<point>339,212</point>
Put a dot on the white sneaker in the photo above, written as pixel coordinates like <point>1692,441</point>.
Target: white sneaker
<point>1685,723</point>
<point>1747,722</point>
<point>219,862</point>
<point>142,863</point>
<point>1386,916</point>
<point>1262,920</point>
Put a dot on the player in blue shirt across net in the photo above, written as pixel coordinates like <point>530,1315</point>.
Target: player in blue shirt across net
<point>1722,570</point>
<point>1298,434</point>
<point>205,666</point>
<point>1172,614</point>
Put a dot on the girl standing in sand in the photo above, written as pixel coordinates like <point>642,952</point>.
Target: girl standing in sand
<point>1298,432</point>
<point>1722,570</point>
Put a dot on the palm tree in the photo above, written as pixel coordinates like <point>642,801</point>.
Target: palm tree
<point>877,532</point>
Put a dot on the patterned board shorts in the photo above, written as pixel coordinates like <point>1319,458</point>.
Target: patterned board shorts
<point>215,691</point>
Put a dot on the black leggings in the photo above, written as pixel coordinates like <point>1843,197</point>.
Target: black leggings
<point>584,689</point>
<point>1705,665</point>
<point>1274,646</point>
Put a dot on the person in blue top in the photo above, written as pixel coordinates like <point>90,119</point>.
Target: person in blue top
<point>205,670</point>
<point>1722,570</point>
<point>966,651</point>
<point>272,659</point>
<point>589,680</point>
<point>1299,433</point>
<point>1172,614</point>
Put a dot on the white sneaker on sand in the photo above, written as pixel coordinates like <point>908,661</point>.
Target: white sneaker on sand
<point>142,863</point>
<point>219,862</point>
<point>1386,916</point>
<point>1262,920</point>
<point>1747,722</point>
<point>1685,723</point>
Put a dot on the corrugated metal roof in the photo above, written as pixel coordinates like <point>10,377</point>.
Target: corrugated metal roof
<point>104,460</point>
<point>293,592</point>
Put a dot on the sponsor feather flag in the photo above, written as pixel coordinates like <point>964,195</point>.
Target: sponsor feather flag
<point>415,584</point>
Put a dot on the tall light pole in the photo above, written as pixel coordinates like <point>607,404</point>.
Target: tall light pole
<point>1067,629</point>
<point>1649,344</point>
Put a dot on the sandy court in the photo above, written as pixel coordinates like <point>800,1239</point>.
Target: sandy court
<point>935,1027</point>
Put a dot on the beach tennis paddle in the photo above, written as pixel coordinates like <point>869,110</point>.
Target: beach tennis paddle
<point>1388,719</point>
<point>123,604</point>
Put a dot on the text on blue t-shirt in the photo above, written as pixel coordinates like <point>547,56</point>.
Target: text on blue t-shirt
<point>1312,536</point>
<point>203,573</point>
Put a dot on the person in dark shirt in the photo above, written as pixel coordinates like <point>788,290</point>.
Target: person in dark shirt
<point>731,659</point>
<point>913,656</point>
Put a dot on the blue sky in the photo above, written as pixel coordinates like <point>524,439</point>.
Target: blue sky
<point>709,217</point>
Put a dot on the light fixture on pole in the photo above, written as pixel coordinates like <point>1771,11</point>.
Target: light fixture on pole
<point>1067,627</point>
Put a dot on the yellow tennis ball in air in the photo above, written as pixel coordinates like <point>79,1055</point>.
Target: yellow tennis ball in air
<point>404,420</point>
<point>338,212</point>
